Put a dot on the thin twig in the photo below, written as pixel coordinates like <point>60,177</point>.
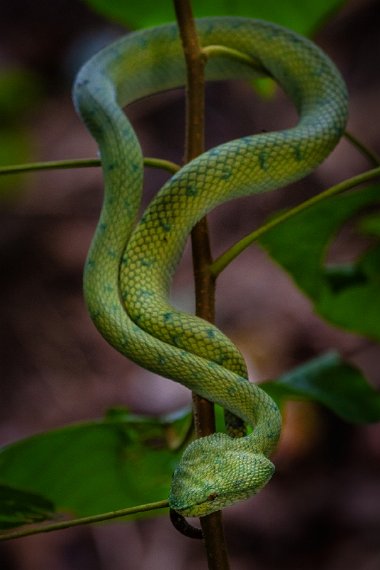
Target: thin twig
<point>232,253</point>
<point>217,50</point>
<point>81,163</point>
<point>204,283</point>
<point>84,520</point>
<point>361,147</point>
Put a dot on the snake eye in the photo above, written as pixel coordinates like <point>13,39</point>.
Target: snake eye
<point>212,497</point>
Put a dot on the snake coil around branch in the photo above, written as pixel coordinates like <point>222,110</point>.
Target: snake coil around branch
<point>130,266</point>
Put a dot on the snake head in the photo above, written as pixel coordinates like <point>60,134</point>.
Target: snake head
<point>215,472</point>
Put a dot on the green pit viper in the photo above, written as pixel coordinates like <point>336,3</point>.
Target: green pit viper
<point>130,265</point>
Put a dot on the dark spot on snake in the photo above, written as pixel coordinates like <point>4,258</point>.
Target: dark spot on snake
<point>146,262</point>
<point>145,293</point>
<point>221,359</point>
<point>226,174</point>
<point>175,340</point>
<point>263,160</point>
<point>298,153</point>
<point>212,496</point>
<point>191,190</point>
<point>165,226</point>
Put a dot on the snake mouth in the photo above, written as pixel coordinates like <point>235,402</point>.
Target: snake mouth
<point>198,509</point>
<point>202,507</point>
<point>213,502</point>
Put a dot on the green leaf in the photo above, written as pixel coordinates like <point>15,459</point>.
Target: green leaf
<point>337,385</point>
<point>303,17</point>
<point>99,466</point>
<point>371,224</point>
<point>346,295</point>
<point>18,507</point>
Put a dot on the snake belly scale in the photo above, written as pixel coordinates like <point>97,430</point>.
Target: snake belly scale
<point>129,266</point>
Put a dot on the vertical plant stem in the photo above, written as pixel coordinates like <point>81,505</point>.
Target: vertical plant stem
<point>204,282</point>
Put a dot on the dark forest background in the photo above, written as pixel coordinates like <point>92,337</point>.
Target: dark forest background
<point>322,510</point>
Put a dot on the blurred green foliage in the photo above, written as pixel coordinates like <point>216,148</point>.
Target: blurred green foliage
<point>347,294</point>
<point>333,383</point>
<point>303,17</point>
<point>99,466</point>
<point>126,460</point>
<point>19,508</point>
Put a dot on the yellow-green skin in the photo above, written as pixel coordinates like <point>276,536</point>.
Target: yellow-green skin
<point>129,267</point>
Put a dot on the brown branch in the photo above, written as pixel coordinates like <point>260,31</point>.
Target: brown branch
<point>204,283</point>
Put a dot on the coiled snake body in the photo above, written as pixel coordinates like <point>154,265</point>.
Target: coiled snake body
<point>129,266</point>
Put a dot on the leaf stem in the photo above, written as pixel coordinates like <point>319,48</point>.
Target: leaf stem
<point>361,147</point>
<point>84,520</point>
<point>228,256</point>
<point>81,163</point>
<point>224,51</point>
<point>204,416</point>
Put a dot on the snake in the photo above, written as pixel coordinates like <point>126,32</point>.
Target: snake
<point>131,260</point>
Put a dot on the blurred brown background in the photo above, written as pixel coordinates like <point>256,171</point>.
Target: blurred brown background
<point>323,508</point>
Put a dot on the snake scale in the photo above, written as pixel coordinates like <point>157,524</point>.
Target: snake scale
<point>130,265</point>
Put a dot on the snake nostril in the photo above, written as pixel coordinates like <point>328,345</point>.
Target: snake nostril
<point>212,496</point>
